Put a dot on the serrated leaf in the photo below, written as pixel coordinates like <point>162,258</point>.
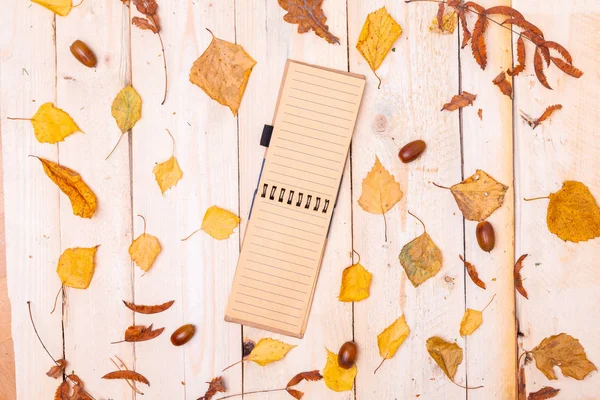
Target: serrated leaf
<point>458,101</point>
<point>142,309</point>
<point>380,191</point>
<point>309,15</point>
<point>130,375</point>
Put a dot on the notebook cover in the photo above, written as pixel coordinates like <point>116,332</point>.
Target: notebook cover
<point>287,230</point>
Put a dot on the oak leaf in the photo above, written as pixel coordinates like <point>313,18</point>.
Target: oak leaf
<point>83,200</point>
<point>268,350</point>
<point>478,196</point>
<point>168,173</point>
<point>377,37</point>
<point>392,338</point>
<point>535,122</point>
<point>141,333</point>
<point>447,355</point>
<point>518,278</point>
<point>308,14</point>
<point>544,393</point>
<point>503,84</point>
<point>472,271</point>
<point>76,267</point>
<point>459,101</point>
<point>448,25</point>
<point>420,258</point>
<point>144,249</point>
<point>148,309</point>
<point>472,319</point>
<point>222,72</point>
<point>337,378</point>
<point>51,124</point>
<point>127,108</point>
<point>564,351</point>
<point>218,223</point>
<point>129,375</point>
<point>60,7</point>
<point>214,386</point>
<point>56,371</point>
<point>356,283</point>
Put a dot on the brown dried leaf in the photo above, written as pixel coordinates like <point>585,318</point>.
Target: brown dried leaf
<point>522,385</point>
<point>460,100</point>
<point>146,7</point>
<point>465,28</point>
<point>307,376</point>
<point>57,370</point>
<point>517,275</point>
<point>130,375</point>
<point>472,271</point>
<point>148,309</point>
<point>504,10</point>
<point>520,58</point>
<point>440,16</point>
<point>544,393</point>
<point>478,46</point>
<point>308,14</point>
<point>503,84</point>
<point>295,393</point>
<point>447,355</point>
<point>480,114</point>
<point>560,49</point>
<point>538,66</point>
<point>143,24</point>
<point>478,196</point>
<point>547,113</point>
<point>141,333</point>
<point>524,24</point>
<point>564,351</point>
<point>566,67</point>
<point>63,392</point>
<point>214,386</point>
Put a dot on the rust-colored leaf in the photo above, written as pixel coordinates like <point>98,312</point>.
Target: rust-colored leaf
<point>148,309</point>
<point>503,84</point>
<point>214,386</point>
<point>520,58</point>
<point>125,374</point>
<point>544,393</point>
<point>522,385</point>
<point>141,333</point>
<point>566,67</point>
<point>57,370</point>
<point>504,10</point>
<point>478,46</point>
<point>63,392</point>
<point>472,271</point>
<point>480,114</point>
<point>146,7</point>
<point>524,24</point>
<point>440,16</point>
<point>295,393</point>
<point>464,27</point>
<point>144,24</point>
<point>458,101</point>
<point>538,66</point>
<point>304,376</point>
<point>534,123</point>
<point>308,14</point>
<point>518,279</point>
<point>560,49</point>
<point>539,41</point>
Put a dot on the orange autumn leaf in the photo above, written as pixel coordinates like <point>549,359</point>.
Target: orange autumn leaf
<point>535,122</point>
<point>478,46</point>
<point>63,392</point>
<point>51,124</point>
<point>538,67</point>
<point>76,267</point>
<point>520,58</point>
<point>544,393</point>
<point>460,100</point>
<point>144,249</point>
<point>168,173</point>
<point>129,375</point>
<point>472,271</point>
<point>503,84</point>
<point>148,309</point>
<point>140,333</point>
<point>309,15</point>
<point>567,68</point>
<point>304,376</point>
<point>214,386</point>
<point>356,283</point>
<point>56,371</point>
<point>518,278</point>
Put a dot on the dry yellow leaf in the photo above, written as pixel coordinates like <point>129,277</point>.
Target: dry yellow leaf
<point>83,200</point>
<point>144,249</point>
<point>447,355</point>
<point>168,173</point>
<point>478,196</point>
<point>380,191</point>
<point>573,214</point>
<point>564,351</point>
<point>222,71</point>
<point>377,37</point>
<point>391,338</point>
<point>60,7</point>
<point>472,319</point>
<point>420,258</point>
<point>356,283</point>
<point>51,124</point>
<point>76,267</point>
<point>449,22</point>
<point>219,223</point>
<point>127,108</point>
<point>268,350</point>
<point>337,378</point>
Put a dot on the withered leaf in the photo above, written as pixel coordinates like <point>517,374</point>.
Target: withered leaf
<point>534,123</point>
<point>148,309</point>
<point>144,24</point>
<point>544,393</point>
<point>144,249</point>
<point>520,58</point>
<point>130,375</point>
<point>57,370</point>
<point>440,16</point>
<point>504,10</point>
<point>83,200</point>
<point>308,14</point>
<point>214,386</point>
<point>472,271</point>
<point>564,351</point>
<point>63,392</point>
<point>127,108</point>
<point>447,355</point>
<point>524,24</point>
<point>538,66</point>
<point>76,266</point>
<point>146,7</point>
<point>304,376</point>
<point>295,393</point>
<point>478,196</point>
<point>460,100</point>
<point>478,46</point>
<point>566,67</point>
<point>564,53</point>
<point>465,28</point>
<point>141,333</point>
<point>522,385</point>
<point>420,258</point>
<point>380,191</point>
<point>518,278</point>
<point>503,84</point>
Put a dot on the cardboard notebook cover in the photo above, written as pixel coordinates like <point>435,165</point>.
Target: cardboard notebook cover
<point>294,202</point>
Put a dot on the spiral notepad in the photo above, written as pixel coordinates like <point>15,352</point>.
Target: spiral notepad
<point>293,204</point>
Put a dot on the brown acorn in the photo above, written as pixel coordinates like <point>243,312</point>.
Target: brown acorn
<point>183,335</point>
<point>486,238</point>
<point>347,355</point>
<point>411,151</point>
<point>83,54</point>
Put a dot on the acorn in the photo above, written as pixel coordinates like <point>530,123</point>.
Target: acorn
<point>83,54</point>
<point>411,151</point>
<point>347,355</point>
<point>183,335</point>
<point>486,238</point>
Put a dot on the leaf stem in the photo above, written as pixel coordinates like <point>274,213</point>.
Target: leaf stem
<point>490,302</point>
<point>56,298</point>
<point>173,139</point>
<point>37,334</point>
<point>80,3</point>
<point>536,198</point>
<point>379,366</point>
<point>114,148</point>
<point>142,217</point>
<point>20,119</point>
<point>235,363</point>
<point>440,186</point>
<point>165,64</point>
<point>254,392</point>
<point>384,227</point>
<point>354,251</point>
<point>521,356</point>
<point>191,234</point>
<point>419,219</point>
<point>465,387</point>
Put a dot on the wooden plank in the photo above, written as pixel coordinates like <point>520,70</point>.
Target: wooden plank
<point>487,145</point>
<point>560,277</point>
<point>270,40</point>
<point>87,95</point>
<point>31,199</point>
<point>196,273</point>
<point>417,78</point>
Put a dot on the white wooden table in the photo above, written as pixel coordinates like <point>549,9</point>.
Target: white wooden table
<point>221,157</point>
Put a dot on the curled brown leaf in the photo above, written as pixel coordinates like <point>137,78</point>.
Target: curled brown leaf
<point>538,66</point>
<point>472,271</point>
<point>148,309</point>
<point>214,386</point>
<point>130,375</point>
<point>478,46</point>
<point>459,101</point>
<point>560,49</point>
<point>520,58</point>
<point>295,393</point>
<point>440,16</point>
<point>307,376</point>
<point>140,333</point>
<point>524,24</point>
<point>518,278</point>
<point>503,84</point>
<point>544,393</point>
<point>567,68</point>
<point>504,10</point>
<point>144,24</point>
<point>57,370</point>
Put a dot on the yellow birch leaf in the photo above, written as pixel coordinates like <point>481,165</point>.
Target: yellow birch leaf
<point>76,267</point>
<point>356,283</point>
<point>380,191</point>
<point>479,196</point>
<point>377,37</point>
<point>392,337</point>
<point>83,200</point>
<point>268,350</point>
<point>447,355</point>
<point>144,249</point>
<point>472,319</point>
<point>60,7</point>
<point>219,223</point>
<point>167,174</point>
<point>127,108</point>
<point>573,214</point>
<point>222,71</point>
<point>449,22</point>
<point>420,258</point>
<point>337,378</point>
<point>564,351</point>
<point>51,124</point>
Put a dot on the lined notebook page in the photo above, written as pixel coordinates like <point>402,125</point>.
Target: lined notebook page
<point>295,198</point>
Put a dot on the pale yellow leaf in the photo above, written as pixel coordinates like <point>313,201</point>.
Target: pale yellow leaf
<point>472,319</point>
<point>380,191</point>
<point>127,108</point>
<point>219,223</point>
<point>356,283</point>
<point>76,267</point>
<point>60,7</point>
<point>144,250</point>
<point>167,174</point>
<point>478,196</point>
<point>447,355</point>
<point>52,125</point>
<point>392,337</point>
<point>268,350</point>
<point>337,378</point>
